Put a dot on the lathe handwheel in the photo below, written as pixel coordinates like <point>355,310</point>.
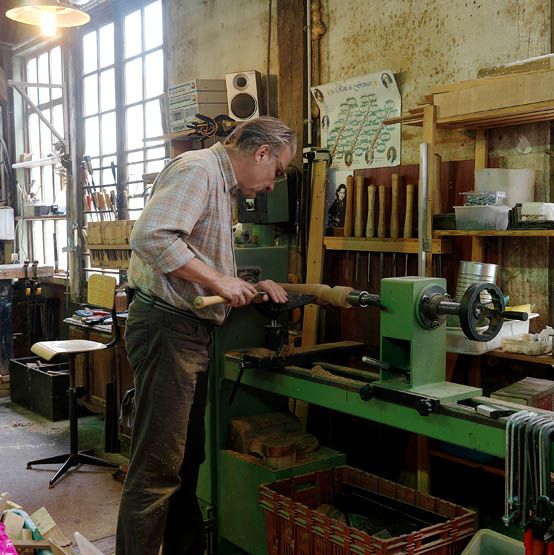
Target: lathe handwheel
<point>473,311</point>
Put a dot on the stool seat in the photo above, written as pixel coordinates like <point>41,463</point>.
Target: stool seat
<point>49,349</point>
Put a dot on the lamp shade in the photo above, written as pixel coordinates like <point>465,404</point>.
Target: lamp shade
<point>33,12</point>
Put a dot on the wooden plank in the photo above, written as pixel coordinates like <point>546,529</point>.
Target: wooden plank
<point>15,271</point>
<point>497,92</point>
<point>314,256</point>
<point>494,233</point>
<point>291,21</point>
<point>406,246</point>
<point>433,181</point>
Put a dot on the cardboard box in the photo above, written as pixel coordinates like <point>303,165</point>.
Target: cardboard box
<point>532,392</point>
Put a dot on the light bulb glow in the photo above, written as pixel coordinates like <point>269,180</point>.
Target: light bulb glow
<point>48,23</point>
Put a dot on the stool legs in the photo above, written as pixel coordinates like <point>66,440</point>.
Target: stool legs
<point>74,457</point>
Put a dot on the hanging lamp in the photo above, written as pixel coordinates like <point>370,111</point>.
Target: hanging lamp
<point>48,15</point>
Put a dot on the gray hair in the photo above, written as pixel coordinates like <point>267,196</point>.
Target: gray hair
<point>265,130</point>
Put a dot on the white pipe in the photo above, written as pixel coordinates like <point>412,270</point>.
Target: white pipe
<point>422,207</point>
<point>309,73</point>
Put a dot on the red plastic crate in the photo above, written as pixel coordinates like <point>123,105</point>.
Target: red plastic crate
<point>294,527</point>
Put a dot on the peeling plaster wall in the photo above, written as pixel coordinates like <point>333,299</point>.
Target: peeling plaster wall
<point>208,38</point>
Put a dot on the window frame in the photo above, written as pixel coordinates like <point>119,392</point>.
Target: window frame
<point>115,13</point>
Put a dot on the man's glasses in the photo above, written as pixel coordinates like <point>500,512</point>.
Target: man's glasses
<point>279,171</point>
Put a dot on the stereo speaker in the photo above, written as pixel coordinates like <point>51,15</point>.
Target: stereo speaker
<point>244,95</point>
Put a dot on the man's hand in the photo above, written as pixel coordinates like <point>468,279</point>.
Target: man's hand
<point>273,290</point>
<point>236,290</point>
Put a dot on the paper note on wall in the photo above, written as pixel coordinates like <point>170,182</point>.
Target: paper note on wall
<point>352,113</point>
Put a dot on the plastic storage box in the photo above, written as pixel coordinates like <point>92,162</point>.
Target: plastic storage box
<point>292,519</point>
<point>488,542</point>
<point>519,184</point>
<point>482,217</point>
<point>478,198</point>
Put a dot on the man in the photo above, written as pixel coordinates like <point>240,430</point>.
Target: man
<point>183,247</point>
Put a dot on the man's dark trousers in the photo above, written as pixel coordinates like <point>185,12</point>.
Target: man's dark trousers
<point>169,354</point>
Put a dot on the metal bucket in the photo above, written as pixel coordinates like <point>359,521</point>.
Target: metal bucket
<point>475,272</point>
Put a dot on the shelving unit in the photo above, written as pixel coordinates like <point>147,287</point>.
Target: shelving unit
<point>479,105</point>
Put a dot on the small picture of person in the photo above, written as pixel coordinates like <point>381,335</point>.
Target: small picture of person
<point>391,154</point>
<point>386,79</point>
<point>325,122</point>
<point>318,95</point>
<point>337,209</point>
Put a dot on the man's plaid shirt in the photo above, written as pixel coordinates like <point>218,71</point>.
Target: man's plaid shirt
<point>189,214</point>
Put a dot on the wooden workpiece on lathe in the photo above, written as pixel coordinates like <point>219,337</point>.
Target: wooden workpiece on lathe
<point>335,296</point>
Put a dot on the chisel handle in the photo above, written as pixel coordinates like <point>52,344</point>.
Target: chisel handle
<point>381,226</point>
<point>358,219</point>
<point>348,206</point>
<point>394,227</point>
<point>408,220</point>
<point>370,226</point>
<point>203,302</point>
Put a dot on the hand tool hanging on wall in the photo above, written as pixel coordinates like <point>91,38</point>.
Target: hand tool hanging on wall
<point>381,226</point>
<point>370,226</point>
<point>358,219</point>
<point>408,220</point>
<point>394,226</point>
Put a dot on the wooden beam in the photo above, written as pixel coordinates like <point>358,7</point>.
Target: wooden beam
<point>15,271</point>
<point>291,21</point>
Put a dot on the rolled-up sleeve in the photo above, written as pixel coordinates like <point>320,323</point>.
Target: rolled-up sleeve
<point>178,201</point>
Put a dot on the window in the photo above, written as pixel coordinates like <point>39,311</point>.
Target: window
<point>137,70</point>
<point>45,185</point>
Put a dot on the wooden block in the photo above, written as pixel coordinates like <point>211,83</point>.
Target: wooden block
<point>13,524</point>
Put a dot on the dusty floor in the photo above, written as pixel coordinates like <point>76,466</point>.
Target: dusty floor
<point>85,500</point>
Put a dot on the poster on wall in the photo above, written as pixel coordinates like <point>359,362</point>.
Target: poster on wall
<point>335,200</point>
<point>352,115</point>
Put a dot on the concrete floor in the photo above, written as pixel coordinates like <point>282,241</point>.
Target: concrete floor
<point>85,500</point>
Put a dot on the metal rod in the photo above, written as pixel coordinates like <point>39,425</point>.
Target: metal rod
<point>422,207</point>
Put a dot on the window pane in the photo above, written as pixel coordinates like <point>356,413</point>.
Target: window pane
<point>153,35</point>
<point>91,137</point>
<point>89,52</point>
<point>106,176</point>
<point>106,44</point>
<point>45,135</point>
<point>135,157</point>
<point>47,195</point>
<point>133,34</point>
<point>90,94</point>
<point>154,74</point>
<point>135,131</point>
<point>32,77</point>
<point>38,243</point>
<point>107,90</point>
<point>56,71</point>
<point>133,81</point>
<point>135,172</point>
<point>108,133</point>
<point>155,153</point>
<point>136,204</point>
<point>49,253</point>
<point>43,77</point>
<point>57,119</point>
<point>155,166</point>
<point>61,240</point>
<point>153,119</point>
<point>34,136</point>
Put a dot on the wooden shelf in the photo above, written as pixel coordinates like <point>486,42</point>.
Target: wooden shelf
<point>494,233</point>
<point>535,359</point>
<point>406,246</point>
<point>17,271</point>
